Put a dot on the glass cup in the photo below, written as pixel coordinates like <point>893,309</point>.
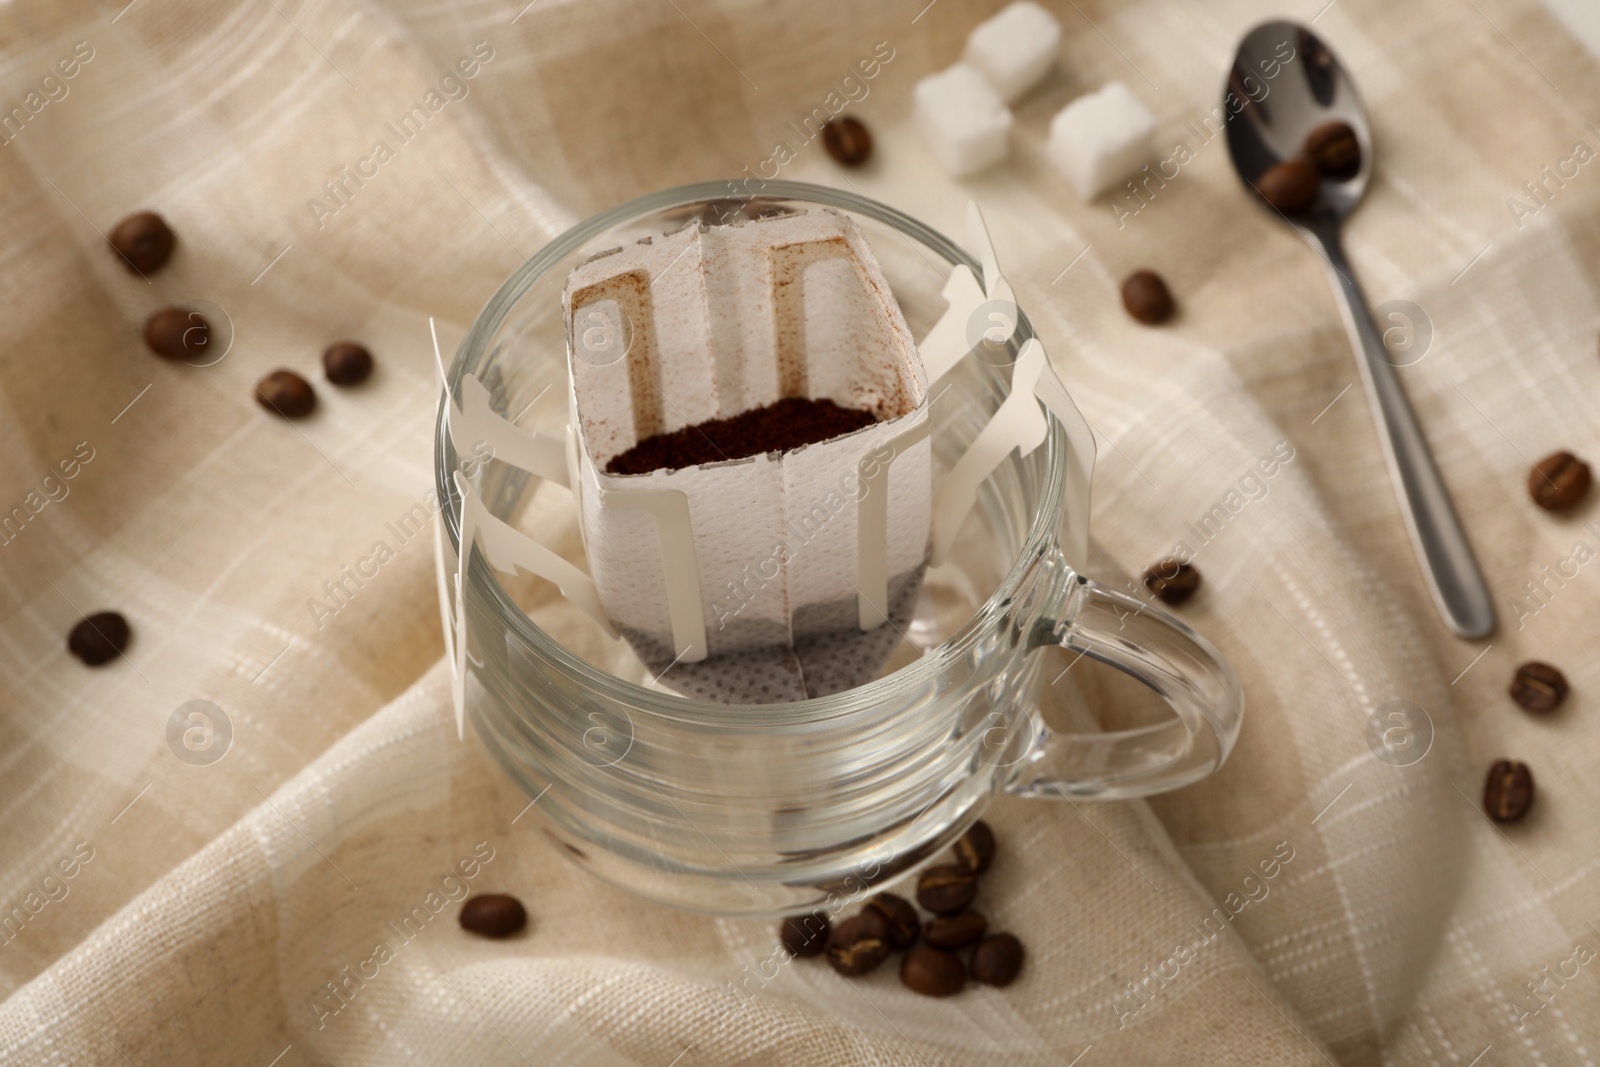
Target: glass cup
<point>781,808</point>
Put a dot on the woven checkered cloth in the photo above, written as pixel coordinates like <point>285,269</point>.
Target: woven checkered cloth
<point>162,910</point>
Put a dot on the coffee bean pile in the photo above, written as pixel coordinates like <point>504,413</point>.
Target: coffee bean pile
<point>887,924</point>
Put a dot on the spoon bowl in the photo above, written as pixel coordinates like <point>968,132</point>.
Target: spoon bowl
<point>1286,85</point>
<point>1282,100</point>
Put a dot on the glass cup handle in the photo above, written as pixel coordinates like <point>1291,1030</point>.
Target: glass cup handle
<point>1170,658</point>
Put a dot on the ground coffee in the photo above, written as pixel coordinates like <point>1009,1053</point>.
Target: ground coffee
<point>779,427</point>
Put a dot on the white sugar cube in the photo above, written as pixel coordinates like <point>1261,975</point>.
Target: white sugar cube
<point>1016,48</point>
<point>962,119</point>
<point>1102,138</point>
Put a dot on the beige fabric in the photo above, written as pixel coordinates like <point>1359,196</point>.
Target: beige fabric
<point>210,905</point>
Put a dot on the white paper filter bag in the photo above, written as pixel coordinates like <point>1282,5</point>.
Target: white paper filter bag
<point>775,577</point>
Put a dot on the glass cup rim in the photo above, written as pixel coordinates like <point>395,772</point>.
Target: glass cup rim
<point>471,351</point>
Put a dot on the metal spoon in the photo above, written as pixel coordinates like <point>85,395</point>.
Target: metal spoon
<point>1284,84</point>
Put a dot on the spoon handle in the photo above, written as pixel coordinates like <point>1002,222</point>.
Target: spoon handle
<point>1442,548</point>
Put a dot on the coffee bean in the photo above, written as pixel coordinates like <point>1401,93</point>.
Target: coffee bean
<point>1147,298</point>
<point>805,935</point>
<point>1291,186</point>
<point>1538,687</point>
<point>283,392</point>
<point>899,919</point>
<point>975,849</point>
<point>493,915</point>
<point>997,960</point>
<point>1335,150</point>
<point>847,141</point>
<point>143,241</point>
<point>346,363</point>
<point>858,945</point>
<point>1508,793</point>
<point>932,972</point>
<point>177,333</point>
<point>1172,582</point>
<point>947,889</point>
<point>955,931</point>
<point>1558,481</point>
<point>99,638</point>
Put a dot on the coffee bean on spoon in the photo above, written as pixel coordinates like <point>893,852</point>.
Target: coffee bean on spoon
<point>1335,150</point>
<point>1558,481</point>
<point>1146,297</point>
<point>1291,186</point>
<point>283,392</point>
<point>346,363</point>
<point>1508,792</point>
<point>98,638</point>
<point>1538,687</point>
<point>805,935</point>
<point>947,889</point>
<point>932,972</point>
<point>144,241</point>
<point>955,931</point>
<point>177,333</point>
<point>495,915</point>
<point>1172,582</point>
<point>975,849</point>
<point>847,141</point>
<point>900,921</point>
<point>858,945</point>
<point>997,960</point>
